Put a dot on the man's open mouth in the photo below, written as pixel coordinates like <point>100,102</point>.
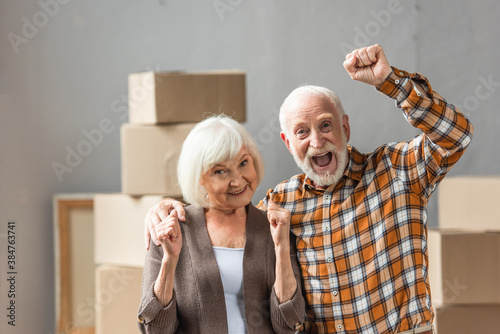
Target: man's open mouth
<point>323,159</point>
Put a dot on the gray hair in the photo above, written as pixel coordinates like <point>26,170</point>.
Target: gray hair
<point>212,141</point>
<point>312,90</point>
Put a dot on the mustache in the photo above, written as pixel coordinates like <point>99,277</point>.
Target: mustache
<point>327,147</point>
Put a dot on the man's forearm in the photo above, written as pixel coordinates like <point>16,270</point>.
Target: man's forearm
<point>447,132</point>
<point>427,110</point>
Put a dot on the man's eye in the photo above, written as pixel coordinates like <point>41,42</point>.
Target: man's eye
<point>326,125</point>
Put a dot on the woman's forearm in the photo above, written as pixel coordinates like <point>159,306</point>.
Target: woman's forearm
<point>164,285</point>
<point>285,284</point>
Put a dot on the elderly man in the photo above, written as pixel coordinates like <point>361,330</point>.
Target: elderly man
<point>360,219</point>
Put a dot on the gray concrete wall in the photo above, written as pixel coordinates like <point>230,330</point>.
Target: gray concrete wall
<point>64,67</point>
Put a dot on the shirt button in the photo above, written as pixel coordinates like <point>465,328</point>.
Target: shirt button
<point>329,260</point>
<point>419,94</point>
<point>397,81</point>
<point>335,293</point>
<point>401,73</point>
<point>339,326</point>
<point>327,228</point>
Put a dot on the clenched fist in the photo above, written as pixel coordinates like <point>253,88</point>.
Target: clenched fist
<point>368,65</point>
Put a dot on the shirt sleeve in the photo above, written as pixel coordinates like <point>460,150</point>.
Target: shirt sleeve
<point>261,205</point>
<point>153,318</point>
<point>425,160</point>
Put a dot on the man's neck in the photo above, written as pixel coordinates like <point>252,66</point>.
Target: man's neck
<point>317,186</point>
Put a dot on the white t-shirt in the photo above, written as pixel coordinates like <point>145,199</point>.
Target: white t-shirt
<point>230,262</point>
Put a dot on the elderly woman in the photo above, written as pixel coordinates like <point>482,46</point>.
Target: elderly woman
<point>227,268</point>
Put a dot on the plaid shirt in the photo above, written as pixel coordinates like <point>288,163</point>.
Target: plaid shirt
<point>362,243</point>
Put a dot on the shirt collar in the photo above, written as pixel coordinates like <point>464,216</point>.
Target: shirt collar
<point>355,166</point>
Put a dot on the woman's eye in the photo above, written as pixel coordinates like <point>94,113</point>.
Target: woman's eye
<point>244,163</point>
<point>219,172</point>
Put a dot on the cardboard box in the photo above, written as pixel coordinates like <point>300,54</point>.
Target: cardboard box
<point>465,319</point>
<point>149,155</point>
<point>180,97</point>
<point>118,295</point>
<point>469,203</point>
<point>119,228</point>
<point>464,267</point>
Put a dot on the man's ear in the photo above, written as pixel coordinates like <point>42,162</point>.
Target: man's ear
<point>346,127</point>
<point>286,141</point>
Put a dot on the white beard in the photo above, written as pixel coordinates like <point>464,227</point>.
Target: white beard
<point>328,178</point>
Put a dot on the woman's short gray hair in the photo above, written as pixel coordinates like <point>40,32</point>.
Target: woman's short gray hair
<point>212,141</point>
<point>313,90</point>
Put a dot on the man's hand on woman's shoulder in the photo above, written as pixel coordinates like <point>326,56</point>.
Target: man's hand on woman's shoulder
<point>158,213</point>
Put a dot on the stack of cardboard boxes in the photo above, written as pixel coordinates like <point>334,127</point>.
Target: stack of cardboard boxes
<point>163,108</point>
<point>464,256</point>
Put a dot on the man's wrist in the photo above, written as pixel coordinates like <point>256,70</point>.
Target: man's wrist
<point>391,82</point>
<point>386,76</point>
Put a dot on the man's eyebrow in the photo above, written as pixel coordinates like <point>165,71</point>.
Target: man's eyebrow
<point>321,117</point>
<point>295,124</point>
<point>326,115</point>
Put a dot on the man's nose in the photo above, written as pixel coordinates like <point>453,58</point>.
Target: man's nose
<point>317,140</point>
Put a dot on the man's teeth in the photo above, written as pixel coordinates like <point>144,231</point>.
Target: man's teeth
<point>322,159</point>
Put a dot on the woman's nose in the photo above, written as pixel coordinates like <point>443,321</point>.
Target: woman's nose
<point>236,179</point>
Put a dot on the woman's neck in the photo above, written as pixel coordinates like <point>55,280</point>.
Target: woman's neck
<point>226,228</point>
<point>223,214</point>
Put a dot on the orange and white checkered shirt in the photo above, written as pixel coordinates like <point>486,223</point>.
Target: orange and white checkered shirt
<point>362,243</point>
